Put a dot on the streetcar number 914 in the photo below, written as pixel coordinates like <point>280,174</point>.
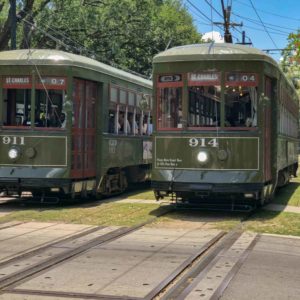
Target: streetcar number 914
<point>202,142</point>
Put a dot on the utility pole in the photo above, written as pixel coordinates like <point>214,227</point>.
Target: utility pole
<point>13,17</point>
<point>227,24</point>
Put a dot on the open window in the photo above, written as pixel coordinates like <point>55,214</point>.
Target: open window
<point>241,100</point>
<point>125,111</point>
<point>169,102</point>
<point>204,92</point>
<point>17,100</point>
<point>49,96</point>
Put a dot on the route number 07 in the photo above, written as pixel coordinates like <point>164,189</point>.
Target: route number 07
<point>202,142</point>
<point>13,140</point>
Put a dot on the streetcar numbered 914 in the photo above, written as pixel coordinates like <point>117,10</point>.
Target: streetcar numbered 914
<point>226,124</point>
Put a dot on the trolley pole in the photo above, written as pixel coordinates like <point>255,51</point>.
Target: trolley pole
<point>13,17</point>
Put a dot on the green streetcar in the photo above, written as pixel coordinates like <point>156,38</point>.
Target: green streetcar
<point>226,123</point>
<point>71,126</point>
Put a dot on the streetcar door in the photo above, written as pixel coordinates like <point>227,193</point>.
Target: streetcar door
<point>84,131</point>
<point>267,130</point>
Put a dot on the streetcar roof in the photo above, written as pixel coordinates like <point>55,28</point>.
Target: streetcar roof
<point>61,58</point>
<point>212,51</point>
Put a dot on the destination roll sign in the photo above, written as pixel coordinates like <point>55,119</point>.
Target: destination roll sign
<point>170,78</point>
<point>17,82</point>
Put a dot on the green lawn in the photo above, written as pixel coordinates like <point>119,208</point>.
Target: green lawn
<point>274,222</point>
<point>130,214</point>
<point>290,194</point>
<point>119,214</point>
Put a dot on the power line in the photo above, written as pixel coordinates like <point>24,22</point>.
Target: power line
<point>257,22</point>
<point>263,24</point>
<point>94,55</point>
<point>267,12</point>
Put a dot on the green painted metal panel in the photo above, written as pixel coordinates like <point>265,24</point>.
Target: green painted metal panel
<point>118,151</point>
<point>36,151</point>
<point>224,153</point>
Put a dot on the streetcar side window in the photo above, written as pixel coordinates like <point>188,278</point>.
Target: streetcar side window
<point>204,106</point>
<point>170,107</point>
<point>127,109</point>
<point>16,107</point>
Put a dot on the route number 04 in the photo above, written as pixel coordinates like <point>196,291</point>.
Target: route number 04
<point>202,142</point>
<point>13,140</point>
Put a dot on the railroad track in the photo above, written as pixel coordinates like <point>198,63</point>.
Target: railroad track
<point>205,273</point>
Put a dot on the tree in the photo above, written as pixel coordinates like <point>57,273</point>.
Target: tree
<point>291,58</point>
<point>126,33</point>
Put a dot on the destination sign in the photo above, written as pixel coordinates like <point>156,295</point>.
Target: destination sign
<point>51,83</point>
<point>170,78</point>
<point>16,82</point>
<point>241,78</point>
<point>204,78</point>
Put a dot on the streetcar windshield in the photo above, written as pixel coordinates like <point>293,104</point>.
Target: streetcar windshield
<point>49,108</point>
<point>41,108</point>
<point>204,106</point>
<point>170,107</point>
<point>241,99</point>
<point>16,106</point>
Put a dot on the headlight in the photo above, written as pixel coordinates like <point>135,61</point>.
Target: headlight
<point>202,157</point>
<point>13,153</point>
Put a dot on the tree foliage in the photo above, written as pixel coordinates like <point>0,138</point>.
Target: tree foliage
<point>291,58</point>
<point>127,33</point>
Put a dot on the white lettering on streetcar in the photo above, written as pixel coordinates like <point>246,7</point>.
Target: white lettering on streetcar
<point>202,142</point>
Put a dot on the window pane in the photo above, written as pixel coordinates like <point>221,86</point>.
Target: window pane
<point>170,107</point>
<point>113,94</point>
<point>123,96</point>
<point>204,106</point>
<point>131,97</point>
<point>48,110</point>
<point>16,107</point>
<point>240,106</point>
<point>138,99</point>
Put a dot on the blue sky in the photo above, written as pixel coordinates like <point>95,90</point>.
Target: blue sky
<point>268,27</point>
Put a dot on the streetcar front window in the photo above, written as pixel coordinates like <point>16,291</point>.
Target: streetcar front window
<point>16,107</point>
<point>240,96</point>
<point>49,108</point>
<point>240,106</point>
<point>204,106</point>
<point>170,107</point>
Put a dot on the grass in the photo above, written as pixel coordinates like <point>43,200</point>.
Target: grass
<point>145,195</point>
<point>118,214</point>
<point>290,194</point>
<point>130,214</point>
<point>274,222</point>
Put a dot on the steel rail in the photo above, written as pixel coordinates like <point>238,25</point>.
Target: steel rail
<point>11,281</point>
<point>202,266</point>
<point>43,247</point>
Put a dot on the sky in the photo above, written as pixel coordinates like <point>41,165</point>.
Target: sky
<point>267,23</point>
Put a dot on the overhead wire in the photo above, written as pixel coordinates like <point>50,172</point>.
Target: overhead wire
<point>205,16</point>
<point>270,25</point>
<point>90,53</point>
<point>269,13</point>
<point>266,30</point>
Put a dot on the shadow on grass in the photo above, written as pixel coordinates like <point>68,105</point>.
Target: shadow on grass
<point>288,195</point>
